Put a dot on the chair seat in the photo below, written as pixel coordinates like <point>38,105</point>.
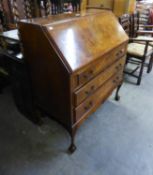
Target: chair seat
<point>137,49</point>
<point>146,37</point>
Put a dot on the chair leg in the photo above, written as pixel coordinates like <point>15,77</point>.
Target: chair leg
<point>150,65</point>
<point>140,73</point>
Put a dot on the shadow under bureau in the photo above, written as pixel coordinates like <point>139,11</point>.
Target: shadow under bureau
<point>74,63</point>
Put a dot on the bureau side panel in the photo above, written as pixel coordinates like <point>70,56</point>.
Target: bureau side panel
<point>49,76</point>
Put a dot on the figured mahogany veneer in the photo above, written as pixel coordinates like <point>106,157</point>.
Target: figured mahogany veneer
<point>75,62</point>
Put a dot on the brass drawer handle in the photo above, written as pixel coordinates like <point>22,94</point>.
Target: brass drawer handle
<point>114,81</point>
<point>90,103</point>
<point>117,78</point>
<point>87,92</point>
<point>88,75</point>
<point>120,53</point>
<point>85,76</point>
<point>120,65</point>
<point>86,108</point>
<point>92,88</point>
<point>117,67</point>
<point>91,72</point>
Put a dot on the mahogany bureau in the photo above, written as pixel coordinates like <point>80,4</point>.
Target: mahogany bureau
<point>75,63</point>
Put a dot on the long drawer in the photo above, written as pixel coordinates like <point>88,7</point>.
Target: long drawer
<point>106,60</point>
<point>99,96</point>
<point>94,84</point>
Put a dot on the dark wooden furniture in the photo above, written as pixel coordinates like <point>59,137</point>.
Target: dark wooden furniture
<point>74,64</point>
<point>4,77</point>
<point>8,46</point>
<point>17,73</point>
<point>142,31</point>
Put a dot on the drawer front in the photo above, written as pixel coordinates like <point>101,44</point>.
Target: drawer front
<point>94,84</point>
<point>98,97</point>
<point>102,64</point>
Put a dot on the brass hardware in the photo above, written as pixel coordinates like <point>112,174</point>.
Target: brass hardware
<point>114,81</point>
<point>88,106</point>
<point>91,72</point>
<point>91,90</point>
<point>120,53</point>
<point>90,103</point>
<point>117,67</point>
<point>87,92</point>
<point>88,74</point>
<point>85,76</point>
<point>117,78</point>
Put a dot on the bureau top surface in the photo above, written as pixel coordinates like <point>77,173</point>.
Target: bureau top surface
<point>81,40</point>
<point>59,17</point>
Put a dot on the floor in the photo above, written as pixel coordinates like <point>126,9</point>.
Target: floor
<point>116,140</point>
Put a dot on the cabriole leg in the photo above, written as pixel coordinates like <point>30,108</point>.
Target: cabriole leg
<point>117,97</point>
<point>72,147</point>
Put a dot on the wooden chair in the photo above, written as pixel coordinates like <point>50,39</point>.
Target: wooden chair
<point>144,11</point>
<point>144,17</point>
<point>138,26</point>
<point>142,31</point>
<point>138,50</point>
